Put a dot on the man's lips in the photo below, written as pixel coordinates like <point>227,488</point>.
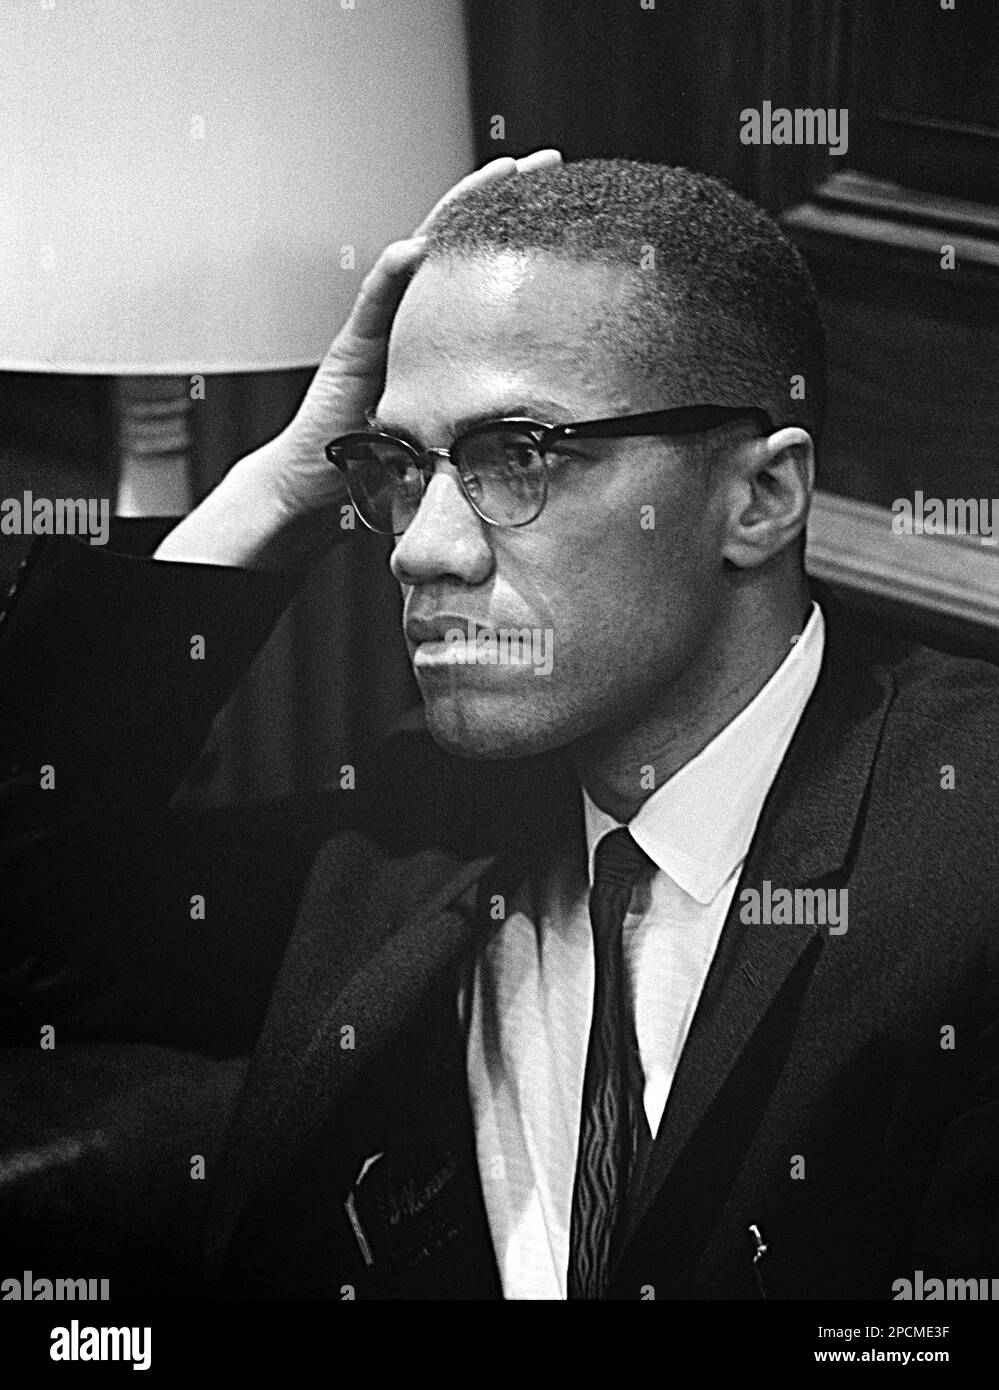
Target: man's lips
<point>436,627</point>
<point>455,646</point>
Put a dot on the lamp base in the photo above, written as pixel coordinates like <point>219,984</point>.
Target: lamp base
<point>154,440</point>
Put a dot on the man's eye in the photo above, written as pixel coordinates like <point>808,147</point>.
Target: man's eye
<point>562,455</point>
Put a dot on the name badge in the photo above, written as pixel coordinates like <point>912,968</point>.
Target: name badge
<point>406,1213</point>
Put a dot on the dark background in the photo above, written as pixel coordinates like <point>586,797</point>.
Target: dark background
<point>914,350</point>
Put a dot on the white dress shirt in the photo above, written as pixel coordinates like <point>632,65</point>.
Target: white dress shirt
<point>530,1000</point>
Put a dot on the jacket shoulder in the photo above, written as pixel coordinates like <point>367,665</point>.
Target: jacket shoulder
<point>938,776</point>
<point>952,698</point>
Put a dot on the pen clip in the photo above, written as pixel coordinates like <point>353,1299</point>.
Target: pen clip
<point>759,1245</point>
<point>759,1250</point>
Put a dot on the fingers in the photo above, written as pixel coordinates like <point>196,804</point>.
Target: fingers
<point>371,317</point>
<point>538,159</point>
<point>381,290</point>
<point>495,169</point>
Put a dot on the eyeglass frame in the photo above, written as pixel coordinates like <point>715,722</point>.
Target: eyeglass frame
<point>677,421</point>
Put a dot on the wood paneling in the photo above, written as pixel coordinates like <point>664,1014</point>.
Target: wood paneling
<point>601,78</point>
<point>924,95</point>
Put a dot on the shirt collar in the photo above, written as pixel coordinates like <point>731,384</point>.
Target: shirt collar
<point>698,826</point>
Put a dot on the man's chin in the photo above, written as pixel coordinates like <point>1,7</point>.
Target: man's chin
<point>487,729</point>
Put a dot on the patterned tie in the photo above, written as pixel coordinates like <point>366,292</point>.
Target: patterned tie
<point>613,1128</point>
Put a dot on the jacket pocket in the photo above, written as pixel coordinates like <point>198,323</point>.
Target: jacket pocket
<point>856,1252</point>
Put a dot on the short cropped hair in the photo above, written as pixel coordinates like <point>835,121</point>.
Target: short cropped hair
<point>723,309</point>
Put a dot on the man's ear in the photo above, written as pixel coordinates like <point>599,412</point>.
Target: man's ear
<point>769,488</point>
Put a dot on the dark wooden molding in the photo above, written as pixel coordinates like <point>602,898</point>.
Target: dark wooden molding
<point>853,216</point>
<point>922,95</point>
<point>850,189</point>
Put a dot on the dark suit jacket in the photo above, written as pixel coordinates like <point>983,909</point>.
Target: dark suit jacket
<point>817,1097</point>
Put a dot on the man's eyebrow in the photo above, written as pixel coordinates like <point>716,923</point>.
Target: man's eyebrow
<point>545,412</point>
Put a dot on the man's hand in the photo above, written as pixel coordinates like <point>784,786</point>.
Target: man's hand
<point>278,507</point>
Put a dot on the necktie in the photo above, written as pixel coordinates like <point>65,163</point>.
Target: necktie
<point>613,1127</point>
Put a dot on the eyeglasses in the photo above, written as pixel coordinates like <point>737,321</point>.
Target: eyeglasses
<point>501,464</point>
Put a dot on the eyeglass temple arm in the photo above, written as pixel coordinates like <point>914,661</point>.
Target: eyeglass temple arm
<point>683,420</point>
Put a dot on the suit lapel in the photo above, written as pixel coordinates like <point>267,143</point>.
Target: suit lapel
<point>804,837</point>
<point>416,1203</point>
<point>378,931</point>
<point>368,975</point>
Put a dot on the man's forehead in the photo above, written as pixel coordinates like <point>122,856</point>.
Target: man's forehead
<point>491,331</point>
<point>511,294</point>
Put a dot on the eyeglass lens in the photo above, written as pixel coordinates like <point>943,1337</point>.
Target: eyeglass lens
<point>502,473</point>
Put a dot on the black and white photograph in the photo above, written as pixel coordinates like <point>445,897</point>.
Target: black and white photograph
<point>499,627</point>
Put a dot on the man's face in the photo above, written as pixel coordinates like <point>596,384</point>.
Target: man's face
<point>620,575</point>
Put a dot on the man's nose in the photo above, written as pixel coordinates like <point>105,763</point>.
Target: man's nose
<point>446,537</point>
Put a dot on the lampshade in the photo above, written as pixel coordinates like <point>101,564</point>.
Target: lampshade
<point>196,186</point>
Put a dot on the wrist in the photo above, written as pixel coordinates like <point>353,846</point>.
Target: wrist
<point>274,510</point>
<point>238,524</point>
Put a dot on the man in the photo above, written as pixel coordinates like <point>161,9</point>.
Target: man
<point>744,1047</point>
